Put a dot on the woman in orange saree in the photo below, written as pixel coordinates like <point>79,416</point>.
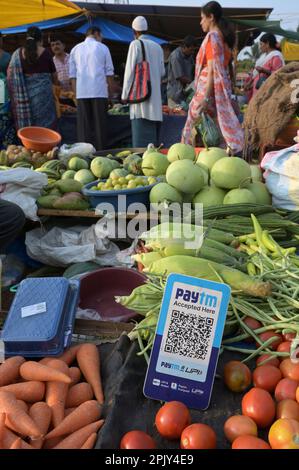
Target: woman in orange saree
<point>213,88</point>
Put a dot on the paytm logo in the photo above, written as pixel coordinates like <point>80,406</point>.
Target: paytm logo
<point>196,297</point>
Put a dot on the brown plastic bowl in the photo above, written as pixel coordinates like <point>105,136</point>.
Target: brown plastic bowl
<point>39,139</point>
<point>98,289</point>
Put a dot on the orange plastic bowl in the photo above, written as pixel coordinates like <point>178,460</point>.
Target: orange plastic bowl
<point>39,139</point>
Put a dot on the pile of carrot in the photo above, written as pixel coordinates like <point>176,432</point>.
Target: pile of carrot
<point>49,404</point>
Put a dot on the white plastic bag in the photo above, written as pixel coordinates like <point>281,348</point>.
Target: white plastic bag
<point>282,177</point>
<point>22,186</point>
<point>65,246</point>
<point>80,148</point>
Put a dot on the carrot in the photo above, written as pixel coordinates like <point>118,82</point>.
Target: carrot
<point>2,429</point>
<point>90,442</point>
<point>9,370</point>
<point>23,405</point>
<point>32,370</point>
<point>56,392</point>
<point>45,360</point>
<point>27,391</point>
<point>17,444</point>
<point>88,359</point>
<point>9,438</point>
<point>41,414</point>
<point>75,375</point>
<point>78,394</point>
<point>17,417</point>
<point>87,413</point>
<point>51,443</point>
<point>78,438</point>
<point>68,411</point>
<point>70,354</point>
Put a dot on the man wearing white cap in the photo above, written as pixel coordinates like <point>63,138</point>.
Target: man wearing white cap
<point>146,116</point>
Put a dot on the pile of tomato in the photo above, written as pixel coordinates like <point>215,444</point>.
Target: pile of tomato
<point>270,404</point>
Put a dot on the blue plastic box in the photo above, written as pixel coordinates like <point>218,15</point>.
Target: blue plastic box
<point>140,195</point>
<point>41,319</point>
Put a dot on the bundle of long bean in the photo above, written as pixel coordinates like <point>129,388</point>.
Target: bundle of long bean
<point>269,263</point>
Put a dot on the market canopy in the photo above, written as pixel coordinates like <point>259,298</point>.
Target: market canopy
<point>113,31</point>
<point>268,27</point>
<point>50,24</point>
<point>290,50</point>
<point>170,22</point>
<point>15,13</point>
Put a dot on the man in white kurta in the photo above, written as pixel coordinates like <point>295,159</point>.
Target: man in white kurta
<point>146,117</point>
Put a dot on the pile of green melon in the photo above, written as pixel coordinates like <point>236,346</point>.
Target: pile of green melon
<point>210,178</point>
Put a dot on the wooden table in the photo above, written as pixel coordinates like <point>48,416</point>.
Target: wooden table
<point>90,214</point>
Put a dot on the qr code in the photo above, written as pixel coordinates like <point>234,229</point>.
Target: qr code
<point>189,335</point>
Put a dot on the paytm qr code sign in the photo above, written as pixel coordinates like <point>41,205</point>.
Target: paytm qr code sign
<point>188,338</point>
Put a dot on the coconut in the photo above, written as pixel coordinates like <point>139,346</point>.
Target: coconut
<point>84,176</point>
<point>101,167</point>
<point>210,156</point>
<point>185,176</point>
<point>181,152</point>
<point>239,196</point>
<point>154,164</point>
<point>230,172</point>
<point>163,192</point>
<point>77,163</point>
<point>261,192</point>
<point>209,196</point>
<point>256,173</point>
<point>205,172</point>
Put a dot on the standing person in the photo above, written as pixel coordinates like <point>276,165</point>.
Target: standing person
<point>166,52</point>
<point>4,57</point>
<point>212,79</point>
<point>180,71</point>
<point>270,61</point>
<point>91,71</point>
<point>61,61</point>
<point>7,130</point>
<point>30,75</point>
<point>146,117</point>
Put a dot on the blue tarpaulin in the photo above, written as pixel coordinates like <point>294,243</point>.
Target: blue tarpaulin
<point>49,24</point>
<point>114,31</point>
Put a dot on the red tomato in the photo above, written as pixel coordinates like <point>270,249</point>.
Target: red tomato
<point>237,376</point>
<point>171,419</point>
<point>198,436</point>
<point>289,336</point>
<point>239,425</point>
<point>290,369</point>
<point>268,334</point>
<point>266,377</point>
<point>137,440</point>
<point>259,405</point>
<point>288,409</point>
<point>273,361</point>
<point>253,324</point>
<point>285,346</point>
<point>286,388</point>
<point>284,434</point>
<point>250,442</point>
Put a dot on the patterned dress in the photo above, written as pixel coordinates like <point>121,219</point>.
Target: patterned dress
<point>220,105</point>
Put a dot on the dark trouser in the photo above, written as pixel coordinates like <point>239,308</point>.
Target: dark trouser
<point>12,220</point>
<point>92,121</point>
<point>145,132</point>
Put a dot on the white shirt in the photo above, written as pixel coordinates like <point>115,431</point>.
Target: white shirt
<point>150,109</point>
<point>90,64</point>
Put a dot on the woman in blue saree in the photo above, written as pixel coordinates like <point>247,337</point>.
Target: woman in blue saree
<point>31,74</point>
